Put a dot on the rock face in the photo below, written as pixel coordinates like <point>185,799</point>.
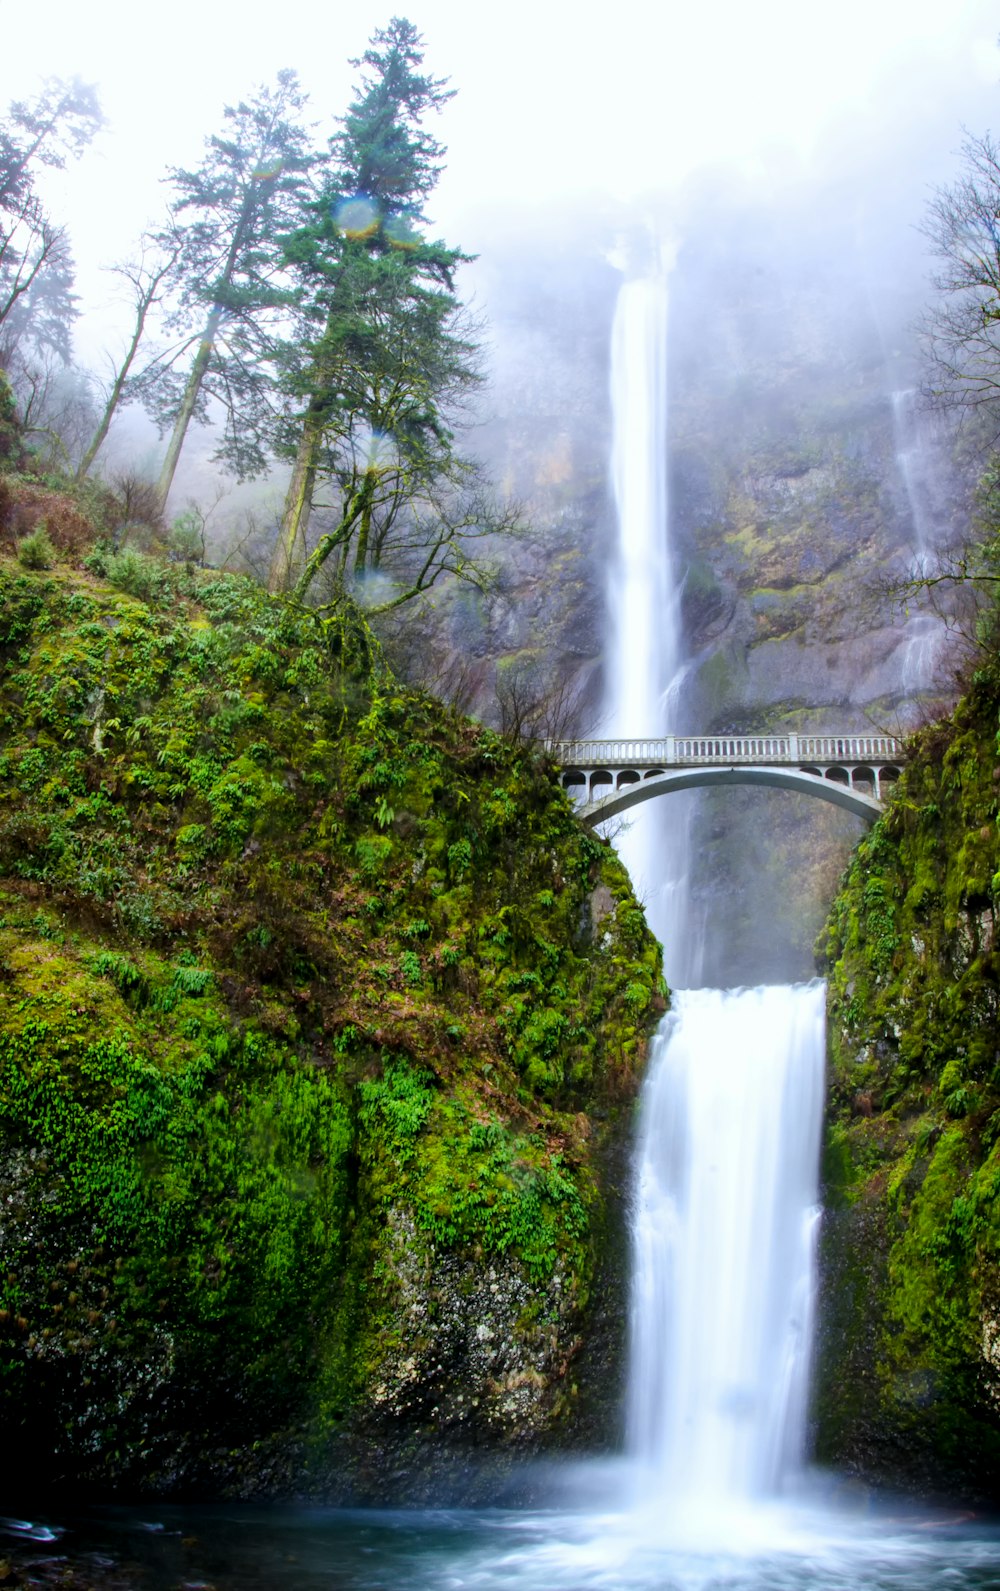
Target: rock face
<point>320,1016</point>
<point>909,1374</point>
<point>802,478</point>
<point>791,506</point>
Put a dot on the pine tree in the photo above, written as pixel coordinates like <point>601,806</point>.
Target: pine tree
<point>59,124</point>
<point>229,214</point>
<point>384,357</point>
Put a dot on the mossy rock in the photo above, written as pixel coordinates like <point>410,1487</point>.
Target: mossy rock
<point>909,1385</point>
<point>311,1051</point>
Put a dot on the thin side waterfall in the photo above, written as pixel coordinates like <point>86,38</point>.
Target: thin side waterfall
<point>910,462</point>
<point>924,631</point>
<point>724,1230</point>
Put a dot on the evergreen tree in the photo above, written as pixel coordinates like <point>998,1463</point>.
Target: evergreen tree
<point>246,192</point>
<point>45,132</point>
<point>384,357</point>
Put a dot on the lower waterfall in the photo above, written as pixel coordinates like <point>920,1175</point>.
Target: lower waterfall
<point>725,1216</point>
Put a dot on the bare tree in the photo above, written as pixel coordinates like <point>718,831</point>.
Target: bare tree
<point>962,587</point>
<point>189,531</point>
<point>413,542</point>
<point>961,330</point>
<point>36,272</point>
<point>55,404</point>
<point>533,705</point>
<point>147,278</point>
<point>960,334</point>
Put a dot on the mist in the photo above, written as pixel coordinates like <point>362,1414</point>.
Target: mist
<point>582,113</point>
<point>782,163</point>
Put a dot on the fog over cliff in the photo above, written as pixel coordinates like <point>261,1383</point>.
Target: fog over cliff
<point>806,470</point>
<point>781,164</point>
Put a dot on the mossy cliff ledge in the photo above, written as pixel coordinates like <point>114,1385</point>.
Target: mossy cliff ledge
<point>909,1372</point>
<point>321,1016</point>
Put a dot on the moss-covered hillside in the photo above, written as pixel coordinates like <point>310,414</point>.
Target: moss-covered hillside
<point>910,1353</point>
<point>317,1008</point>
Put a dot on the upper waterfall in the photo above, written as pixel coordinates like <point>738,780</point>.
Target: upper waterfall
<point>645,647</point>
<point>645,640</point>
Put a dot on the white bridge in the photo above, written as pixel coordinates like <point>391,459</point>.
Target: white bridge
<point>609,776</point>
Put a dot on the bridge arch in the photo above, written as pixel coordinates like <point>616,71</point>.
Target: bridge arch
<point>610,776</point>
<point>834,787</point>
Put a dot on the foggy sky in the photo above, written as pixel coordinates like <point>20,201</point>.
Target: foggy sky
<point>555,101</point>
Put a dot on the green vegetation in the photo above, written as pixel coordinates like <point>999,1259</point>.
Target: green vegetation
<point>383,357</point>
<point>910,1379</point>
<point>309,1041</point>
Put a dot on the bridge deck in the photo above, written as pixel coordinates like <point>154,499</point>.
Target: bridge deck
<point>610,776</point>
<point>691,751</point>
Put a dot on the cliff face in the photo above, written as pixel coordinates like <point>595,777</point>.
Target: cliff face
<point>909,1383</point>
<point>802,476</point>
<point>319,1015</point>
<point>804,479</point>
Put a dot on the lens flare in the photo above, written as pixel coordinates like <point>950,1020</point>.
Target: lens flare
<point>357,216</point>
<point>266,173</point>
<point>399,230</point>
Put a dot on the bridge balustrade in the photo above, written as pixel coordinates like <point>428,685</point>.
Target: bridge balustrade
<point>691,750</point>
<point>599,771</point>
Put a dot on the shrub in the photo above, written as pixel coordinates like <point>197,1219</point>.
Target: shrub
<point>69,530</point>
<point>36,550</point>
<point>133,572</point>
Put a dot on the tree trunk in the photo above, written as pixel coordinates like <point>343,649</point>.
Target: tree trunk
<point>364,533</point>
<point>97,441</point>
<point>145,299</point>
<point>187,408</point>
<point>289,556</point>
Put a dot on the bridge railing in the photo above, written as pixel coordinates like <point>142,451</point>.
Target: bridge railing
<point>672,751</point>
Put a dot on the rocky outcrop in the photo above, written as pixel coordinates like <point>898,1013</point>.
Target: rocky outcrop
<point>908,1369</point>
<point>320,1013</point>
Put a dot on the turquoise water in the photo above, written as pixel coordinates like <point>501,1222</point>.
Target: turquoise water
<point>856,1546</point>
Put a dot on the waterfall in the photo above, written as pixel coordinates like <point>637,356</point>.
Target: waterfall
<point>724,1226</point>
<point>645,645</point>
<point>725,1185</point>
<point>646,659</point>
<point>909,461</point>
<point>921,648</point>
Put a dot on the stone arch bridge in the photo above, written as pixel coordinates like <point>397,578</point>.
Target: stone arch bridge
<point>609,776</point>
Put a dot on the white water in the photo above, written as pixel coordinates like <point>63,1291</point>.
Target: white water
<point>911,462</point>
<point>724,1226</point>
<point>713,1489</point>
<point>645,654</point>
<point>924,638</point>
<point>725,1185</point>
<point>725,1219</point>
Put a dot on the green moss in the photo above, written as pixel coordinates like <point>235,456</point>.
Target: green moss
<point>914,978</point>
<point>292,961</point>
